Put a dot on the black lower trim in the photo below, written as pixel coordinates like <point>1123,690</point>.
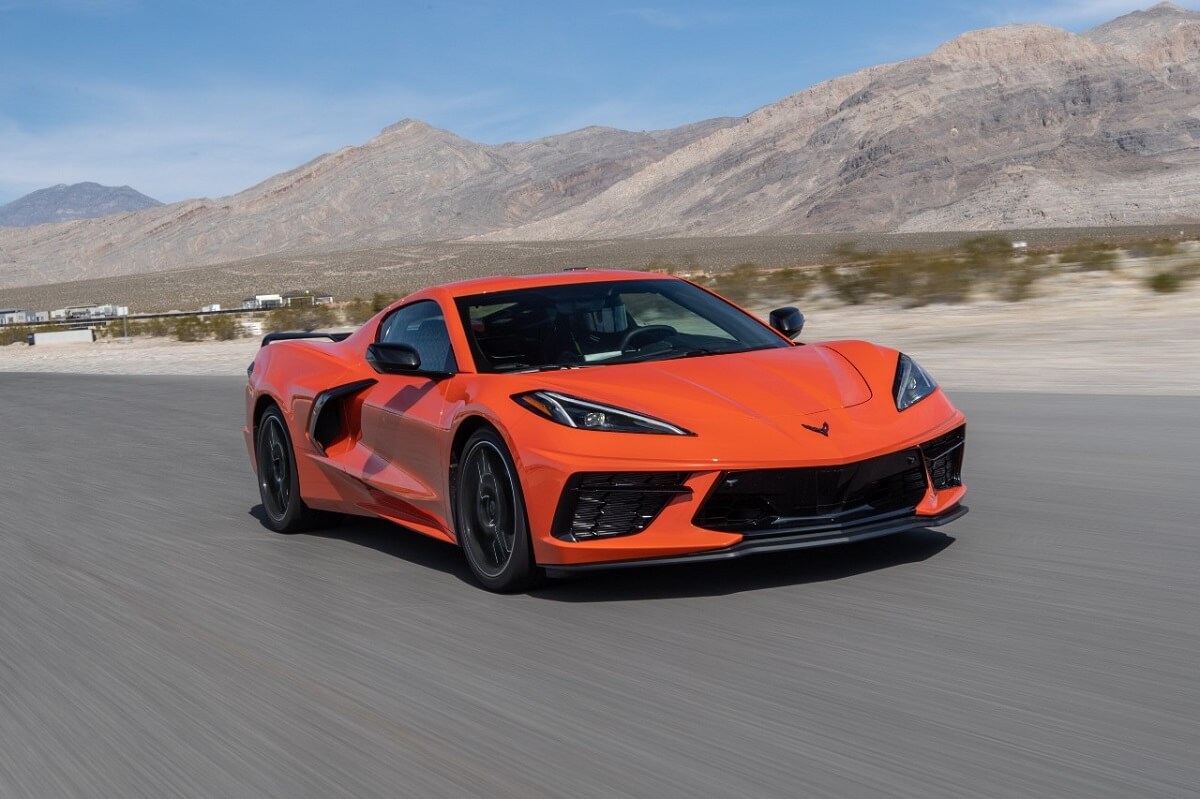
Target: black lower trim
<point>781,543</point>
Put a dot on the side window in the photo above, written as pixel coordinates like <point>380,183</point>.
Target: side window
<point>422,327</point>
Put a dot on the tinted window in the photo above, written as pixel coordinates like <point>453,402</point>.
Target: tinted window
<point>592,324</point>
<point>421,326</point>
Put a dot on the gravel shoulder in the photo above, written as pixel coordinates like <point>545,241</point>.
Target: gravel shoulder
<point>1080,338</point>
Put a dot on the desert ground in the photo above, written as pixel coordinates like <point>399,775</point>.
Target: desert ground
<point>1101,333</point>
<point>401,268</point>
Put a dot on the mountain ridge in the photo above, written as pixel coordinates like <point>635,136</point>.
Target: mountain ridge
<point>62,202</point>
<point>1012,127</point>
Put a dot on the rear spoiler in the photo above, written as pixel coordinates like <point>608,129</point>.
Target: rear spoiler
<point>293,335</point>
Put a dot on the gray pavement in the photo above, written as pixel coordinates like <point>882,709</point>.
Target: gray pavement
<point>157,641</point>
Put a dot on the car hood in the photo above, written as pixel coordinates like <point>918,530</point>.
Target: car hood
<point>771,384</point>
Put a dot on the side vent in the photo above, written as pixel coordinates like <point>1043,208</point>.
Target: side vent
<point>327,422</point>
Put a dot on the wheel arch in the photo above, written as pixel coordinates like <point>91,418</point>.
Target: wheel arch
<point>263,402</point>
<point>466,428</point>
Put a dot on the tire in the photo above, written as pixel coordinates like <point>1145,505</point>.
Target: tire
<point>284,510</point>
<point>492,527</point>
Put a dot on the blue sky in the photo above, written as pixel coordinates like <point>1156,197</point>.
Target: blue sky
<point>191,98</point>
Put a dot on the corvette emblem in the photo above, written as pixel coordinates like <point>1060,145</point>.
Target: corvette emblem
<point>823,429</point>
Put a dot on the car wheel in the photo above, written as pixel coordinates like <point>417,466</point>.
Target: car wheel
<point>490,516</point>
<point>278,483</point>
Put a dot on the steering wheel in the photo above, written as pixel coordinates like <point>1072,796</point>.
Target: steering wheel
<point>661,331</point>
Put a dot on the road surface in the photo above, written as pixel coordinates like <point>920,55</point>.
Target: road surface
<point>157,641</point>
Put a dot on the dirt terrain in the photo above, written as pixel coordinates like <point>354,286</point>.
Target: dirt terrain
<point>403,268</point>
<point>1099,333</point>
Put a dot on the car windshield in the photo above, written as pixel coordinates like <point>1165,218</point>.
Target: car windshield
<point>604,322</point>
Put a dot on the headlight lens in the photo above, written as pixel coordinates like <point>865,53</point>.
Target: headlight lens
<point>585,415</point>
<point>913,383</point>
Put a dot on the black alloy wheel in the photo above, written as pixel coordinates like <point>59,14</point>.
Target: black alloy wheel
<point>284,510</point>
<point>490,516</point>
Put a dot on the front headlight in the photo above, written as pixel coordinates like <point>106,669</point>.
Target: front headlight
<point>574,412</point>
<point>912,384</point>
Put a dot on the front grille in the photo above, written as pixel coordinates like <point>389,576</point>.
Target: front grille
<point>606,504</point>
<point>824,498</point>
<point>944,455</point>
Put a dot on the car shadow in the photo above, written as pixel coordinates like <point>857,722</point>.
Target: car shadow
<point>720,578</point>
<point>394,541</point>
<point>753,573</point>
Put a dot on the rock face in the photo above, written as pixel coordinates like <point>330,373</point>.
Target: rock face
<point>1019,126</point>
<point>63,203</point>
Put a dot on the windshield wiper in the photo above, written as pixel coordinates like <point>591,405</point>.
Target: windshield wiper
<point>549,367</point>
<point>696,353</point>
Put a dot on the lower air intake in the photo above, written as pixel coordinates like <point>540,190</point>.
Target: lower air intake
<point>944,455</point>
<point>607,504</point>
<point>823,499</point>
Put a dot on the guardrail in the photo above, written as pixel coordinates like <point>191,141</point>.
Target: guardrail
<point>93,320</point>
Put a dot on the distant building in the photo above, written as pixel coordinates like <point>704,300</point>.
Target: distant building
<point>74,312</point>
<point>15,316</point>
<point>306,298</point>
<point>263,302</point>
<point>216,306</point>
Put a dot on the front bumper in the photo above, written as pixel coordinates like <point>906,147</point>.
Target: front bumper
<point>701,470</point>
<point>776,544</point>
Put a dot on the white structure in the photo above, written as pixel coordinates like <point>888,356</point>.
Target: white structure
<point>307,298</point>
<point>216,306</point>
<point>15,316</point>
<point>82,336</point>
<point>262,302</point>
<point>89,311</point>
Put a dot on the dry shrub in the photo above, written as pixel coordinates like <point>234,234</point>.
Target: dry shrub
<point>1172,280</point>
<point>305,317</point>
<point>1090,256</point>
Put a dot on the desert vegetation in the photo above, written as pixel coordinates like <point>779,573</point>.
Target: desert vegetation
<point>192,327</point>
<point>981,268</point>
<point>865,271</point>
<point>11,334</point>
<point>1171,279</point>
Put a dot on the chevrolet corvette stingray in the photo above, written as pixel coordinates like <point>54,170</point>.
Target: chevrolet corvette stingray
<point>592,419</point>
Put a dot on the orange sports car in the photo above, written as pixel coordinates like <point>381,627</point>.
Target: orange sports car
<point>588,419</point>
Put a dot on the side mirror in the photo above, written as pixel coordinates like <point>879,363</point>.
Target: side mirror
<point>391,359</point>
<point>788,321</point>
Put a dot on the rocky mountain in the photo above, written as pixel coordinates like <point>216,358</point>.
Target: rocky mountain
<point>1018,126</point>
<point>1012,127</point>
<point>411,183</point>
<point>63,203</point>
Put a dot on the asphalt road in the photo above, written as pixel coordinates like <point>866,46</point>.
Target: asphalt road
<point>157,641</point>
